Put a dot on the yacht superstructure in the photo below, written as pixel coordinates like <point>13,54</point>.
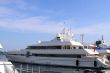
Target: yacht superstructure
<point>62,51</point>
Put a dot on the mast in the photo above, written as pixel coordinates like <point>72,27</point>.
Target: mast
<point>66,34</point>
<point>82,38</point>
<point>102,39</point>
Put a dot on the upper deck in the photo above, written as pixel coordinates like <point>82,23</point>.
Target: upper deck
<point>63,40</point>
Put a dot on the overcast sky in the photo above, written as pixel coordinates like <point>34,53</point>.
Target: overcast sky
<point>24,22</point>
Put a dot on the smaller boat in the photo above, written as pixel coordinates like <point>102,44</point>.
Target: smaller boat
<point>5,65</point>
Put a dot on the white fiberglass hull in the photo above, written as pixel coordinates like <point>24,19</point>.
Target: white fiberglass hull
<point>72,62</point>
<point>7,67</point>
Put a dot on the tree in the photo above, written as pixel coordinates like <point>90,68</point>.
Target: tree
<point>98,43</point>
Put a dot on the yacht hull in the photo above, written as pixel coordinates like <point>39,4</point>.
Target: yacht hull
<point>55,61</point>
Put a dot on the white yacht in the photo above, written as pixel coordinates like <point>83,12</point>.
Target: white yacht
<point>5,65</point>
<point>62,51</point>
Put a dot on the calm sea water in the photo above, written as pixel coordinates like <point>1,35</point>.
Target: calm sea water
<point>30,68</point>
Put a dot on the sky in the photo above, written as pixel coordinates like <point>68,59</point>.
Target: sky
<point>24,22</point>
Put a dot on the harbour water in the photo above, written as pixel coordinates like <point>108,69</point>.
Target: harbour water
<point>31,68</point>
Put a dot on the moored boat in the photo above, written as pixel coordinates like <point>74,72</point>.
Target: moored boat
<point>62,51</point>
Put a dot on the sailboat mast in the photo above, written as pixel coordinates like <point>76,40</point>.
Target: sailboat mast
<point>102,39</point>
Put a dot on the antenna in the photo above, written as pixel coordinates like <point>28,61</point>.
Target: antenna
<point>102,39</point>
<point>70,27</point>
<point>64,24</point>
<point>82,38</point>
